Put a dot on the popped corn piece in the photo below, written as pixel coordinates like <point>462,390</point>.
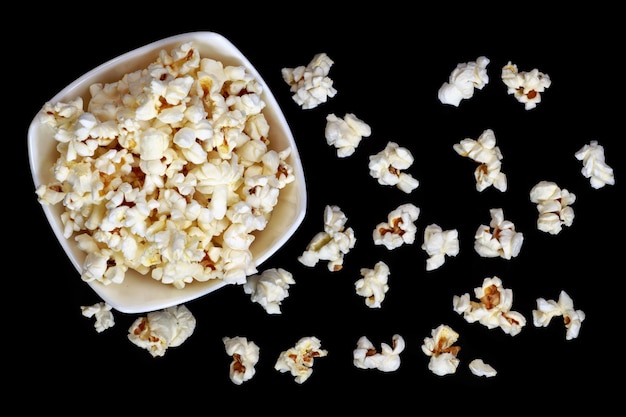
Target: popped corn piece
<point>388,165</point>
<point>345,134</point>
<point>463,80</point>
<point>399,228</point>
<point>374,284</point>
<point>269,288</point>
<point>365,356</point>
<point>439,243</point>
<point>594,165</point>
<point>160,330</point>
<point>547,309</point>
<point>103,314</point>
<point>525,86</point>
<point>298,360</point>
<point>487,154</point>
<point>311,84</point>
<point>441,350</point>
<point>480,368</point>
<point>245,356</point>
<point>553,205</point>
<point>499,238</point>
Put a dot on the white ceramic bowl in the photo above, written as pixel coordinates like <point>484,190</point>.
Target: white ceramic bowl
<point>139,294</point>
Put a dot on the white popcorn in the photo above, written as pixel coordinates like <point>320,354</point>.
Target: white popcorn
<point>594,166</point>
<point>441,350</point>
<point>245,356</point>
<point>480,368</point>
<point>499,239</point>
<point>345,134</point>
<point>463,80</point>
<point>399,228</point>
<point>103,314</point>
<point>553,205</point>
<point>438,243</point>
<point>525,86</point>
<point>365,356</point>
<point>298,360</point>
<point>311,85</point>
<point>160,330</point>
<point>373,285</point>
<point>487,154</point>
<point>269,288</point>
<point>388,165</point>
<point>547,309</point>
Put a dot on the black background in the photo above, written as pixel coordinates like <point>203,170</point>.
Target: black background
<point>388,66</point>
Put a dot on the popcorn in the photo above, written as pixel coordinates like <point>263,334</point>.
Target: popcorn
<point>441,350</point>
<point>526,87</point>
<point>463,80</point>
<point>103,314</point>
<point>332,243</point>
<point>298,360</point>
<point>499,238</point>
<point>160,330</point>
<point>269,288</point>
<point>387,167</point>
<point>373,284</point>
<point>553,205</point>
<point>484,151</point>
<point>365,356</point>
<point>594,166</point>
<point>439,243</point>
<point>399,228</point>
<point>547,309</point>
<point>245,356</point>
<point>311,85</point>
<point>345,134</point>
<point>480,368</point>
<point>493,308</point>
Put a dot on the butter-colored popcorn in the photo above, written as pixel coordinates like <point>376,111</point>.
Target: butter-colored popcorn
<point>160,330</point>
<point>311,84</point>
<point>487,154</point>
<point>493,308</point>
<point>373,285</point>
<point>480,368</point>
<point>553,205</point>
<point>399,228</point>
<point>298,360</point>
<point>463,80</point>
<point>499,238</point>
<point>388,166</point>
<point>345,134</point>
<point>103,314</point>
<point>594,165</point>
<point>547,309</point>
<point>441,350</point>
<point>366,356</point>
<point>245,356</point>
<point>269,288</point>
<point>525,86</point>
<point>438,243</point>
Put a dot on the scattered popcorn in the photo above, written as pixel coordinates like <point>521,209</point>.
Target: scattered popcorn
<point>103,314</point>
<point>463,80</point>
<point>162,329</point>
<point>332,243</point>
<point>373,286</point>
<point>298,360</point>
<point>440,347</point>
<point>399,228</point>
<point>311,85</point>
<point>484,151</point>
<point>499,238</point>
<point>480,368</point>
<point>245,356</point>
<point>526,87</point>
<point>388,165</point>
<point>439,243</point>
<point>387,360</point>
<point>553,205</point>
<point>594,166</point>
<point>345,134</point>
<point>269,288</point>
<point>546,309</point>
<point>493,308</point>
